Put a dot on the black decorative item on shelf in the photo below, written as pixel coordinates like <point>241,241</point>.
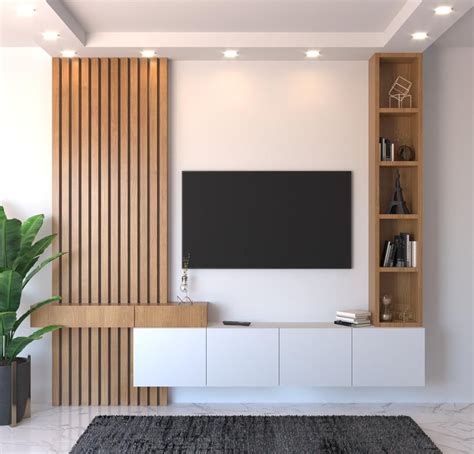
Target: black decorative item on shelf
<point>398,205</point>
<point>406,153</point>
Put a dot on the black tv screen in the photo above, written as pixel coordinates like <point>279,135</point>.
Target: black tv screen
<point>267,219</point>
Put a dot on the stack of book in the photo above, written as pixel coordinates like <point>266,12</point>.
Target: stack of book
<point>386,149</point>
<point>400,252</point>
<point>353,317</point>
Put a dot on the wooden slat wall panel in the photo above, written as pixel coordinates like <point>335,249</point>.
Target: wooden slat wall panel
<point>110,211</point>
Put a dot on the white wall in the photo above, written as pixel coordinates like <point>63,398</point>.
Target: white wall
<point>280,115</point>
<point>25,172</point>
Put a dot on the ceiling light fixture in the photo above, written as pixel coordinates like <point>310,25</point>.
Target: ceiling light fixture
<point>230,53</point>
<point>25,10</point>
<point>68,53</point>
<point>313,53</point>
<point>419,36</point>
<point>148,53</point>
<point>50,36</point>
<point>443,10</point>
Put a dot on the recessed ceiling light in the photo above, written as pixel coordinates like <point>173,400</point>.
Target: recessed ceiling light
<point>313,53</point>
<point>443,10</point>
<point>419,36</point>
<point>148,53</point>
<point>231,53</point>
<point>50,36</point>
<point>25,10</point>
<point>68,53</point>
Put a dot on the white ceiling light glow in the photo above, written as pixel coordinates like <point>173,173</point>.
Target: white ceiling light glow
<point>231,53</point>
<point>312,53</point>
<point>68,53</point>
<point>50,36</point>
<point>148,53</point>
<point>443,10</point>
<point>419,36</point>
<point>25,10</point>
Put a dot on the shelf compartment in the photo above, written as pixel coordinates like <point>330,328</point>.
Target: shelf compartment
<point>390,68</point>
<point>408,183</point>
<point>404,290</point>
<point>401,130</point>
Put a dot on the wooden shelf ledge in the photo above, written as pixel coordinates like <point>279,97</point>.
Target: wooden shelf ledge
<point>386,111</point>
<point>398,163</point>
<point>398,216</point>
<point>398,269</point>
<point>170,315</point>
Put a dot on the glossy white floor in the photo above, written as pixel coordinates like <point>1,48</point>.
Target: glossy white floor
<point>56,429</point>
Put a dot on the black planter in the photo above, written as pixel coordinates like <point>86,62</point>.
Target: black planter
<point>13,412</point>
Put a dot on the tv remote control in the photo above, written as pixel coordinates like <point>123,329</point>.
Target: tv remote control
<point>231,323</point>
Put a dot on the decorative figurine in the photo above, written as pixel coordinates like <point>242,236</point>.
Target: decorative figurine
<point>406,153</point>
<point>399,91</point>
<point>387,308</point>
<point>184,280</point>
<point>398,205</point>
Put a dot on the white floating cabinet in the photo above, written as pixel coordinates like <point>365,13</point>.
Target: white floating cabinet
<point>242,357</point>
<point>169,357</point>
<point>315,357</point>
<point>388,357</point>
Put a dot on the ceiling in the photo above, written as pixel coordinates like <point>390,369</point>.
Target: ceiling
<point>202,29</point>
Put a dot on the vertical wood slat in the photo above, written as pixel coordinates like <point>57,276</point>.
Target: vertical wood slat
<point>85,226</point>
<point>65,223</point>
<point>75,216</point>
<point>107,205</point>
<point>124,224</point>
<point>104,224</point>
<point>94,226</point>
<point>56,267</point>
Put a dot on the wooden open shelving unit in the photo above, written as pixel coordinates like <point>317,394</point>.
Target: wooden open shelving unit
<point>403,126</point>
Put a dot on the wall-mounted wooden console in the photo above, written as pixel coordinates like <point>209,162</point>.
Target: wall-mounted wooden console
<point>403,126</point>
<point>171,315</point>
<point>287,354</point>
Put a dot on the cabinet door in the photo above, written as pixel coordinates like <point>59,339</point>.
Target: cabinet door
<point>242,357</point>
<point>388,356</point>
<point>169,357</point>
<point>315,357</point>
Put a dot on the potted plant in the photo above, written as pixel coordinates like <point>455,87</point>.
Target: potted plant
<point>19,254</point>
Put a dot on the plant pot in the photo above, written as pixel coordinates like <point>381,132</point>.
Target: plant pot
<point>13,412</point>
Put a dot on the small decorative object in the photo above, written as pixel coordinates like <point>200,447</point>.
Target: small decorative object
<point>184,280</point>
<point>398,205</point>
<point>19,253</point>
<point>400,91</point>
<point>387,308</point>
<point>406,153</point>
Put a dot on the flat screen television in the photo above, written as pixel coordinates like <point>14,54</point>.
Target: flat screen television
<point>267,219</point>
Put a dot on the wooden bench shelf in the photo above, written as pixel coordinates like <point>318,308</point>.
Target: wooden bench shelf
<point>171,315</point>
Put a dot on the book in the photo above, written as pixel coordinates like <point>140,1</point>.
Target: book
<point>353,313</point>
<point>385,253</point>
<point>413,254</point>
<point>355,321</point>
<point>352,325</point>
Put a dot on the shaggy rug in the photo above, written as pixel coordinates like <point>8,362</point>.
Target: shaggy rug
<point>254,434</point>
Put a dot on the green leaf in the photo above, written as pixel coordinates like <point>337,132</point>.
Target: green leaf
<point>41,266</point>
<point>17,344</point>
<point>29,230</point>
<point>26,261</point>
<point>10,291</point>
<point>7,321</point>
<point>10,238</point>
<point>33,308</point>
<point>3,216</point>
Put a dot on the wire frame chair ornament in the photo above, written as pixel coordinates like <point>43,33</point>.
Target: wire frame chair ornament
<point>400,91</point>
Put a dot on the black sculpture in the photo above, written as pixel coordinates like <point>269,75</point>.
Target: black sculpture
<point>398,205</point>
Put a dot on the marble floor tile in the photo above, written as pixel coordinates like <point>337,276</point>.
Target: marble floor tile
<point>56,429</point>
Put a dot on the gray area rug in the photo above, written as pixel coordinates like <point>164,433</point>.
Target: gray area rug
<point>254,434</point>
